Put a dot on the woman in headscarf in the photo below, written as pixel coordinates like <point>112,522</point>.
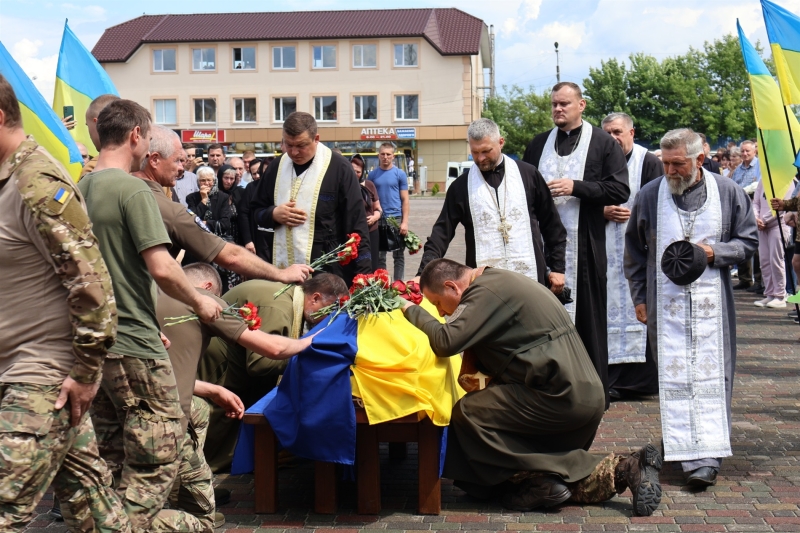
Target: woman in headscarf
<point>372,206</point>
<point>226,177</point>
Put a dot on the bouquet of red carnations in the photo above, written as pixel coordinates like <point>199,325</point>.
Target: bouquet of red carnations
<point>410,240</point>
<point>247,313</point>
<point>343,254</point>
<point>372,294</point>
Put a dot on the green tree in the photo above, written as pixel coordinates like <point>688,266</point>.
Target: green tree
<point>520,115</point>
<point>605,90</point>
<point>646,80</point>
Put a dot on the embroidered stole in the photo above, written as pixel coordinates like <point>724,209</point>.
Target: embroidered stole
<point>627,336</point>
<point>293,245</point>
<point>691,359</point>
<point>568,207</point>
<point>490,249</point>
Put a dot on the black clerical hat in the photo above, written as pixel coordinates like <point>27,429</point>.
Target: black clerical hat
<point>683,262</point>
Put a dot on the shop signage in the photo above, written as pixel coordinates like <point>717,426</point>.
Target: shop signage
<point>383,134</point>
<point>203,136</point>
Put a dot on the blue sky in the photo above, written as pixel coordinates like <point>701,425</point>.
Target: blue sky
<point>587,31</point>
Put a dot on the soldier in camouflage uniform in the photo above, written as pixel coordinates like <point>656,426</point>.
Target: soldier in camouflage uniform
<point>58,322</point>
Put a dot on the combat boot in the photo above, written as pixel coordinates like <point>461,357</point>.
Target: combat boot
<point>536,492</point>
<point>639,472</point>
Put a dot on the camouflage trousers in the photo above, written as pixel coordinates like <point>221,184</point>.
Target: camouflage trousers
<point>193,491</point>
<point>598,486</point>
<point>137,417</point>
<point>39,447</point>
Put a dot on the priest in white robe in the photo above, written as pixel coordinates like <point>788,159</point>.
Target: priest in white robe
<point>632,369</point>
<point>507,211</point>
<point>691,328</point>
<point>308,201</point>
<point>585,170</point>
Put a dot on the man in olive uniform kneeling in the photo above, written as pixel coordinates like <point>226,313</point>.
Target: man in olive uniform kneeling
<point>530,428</point>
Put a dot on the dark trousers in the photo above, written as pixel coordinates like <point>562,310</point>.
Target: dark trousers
<point>750,270</point>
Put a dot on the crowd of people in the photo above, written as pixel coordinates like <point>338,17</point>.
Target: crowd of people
<point>595,271</point>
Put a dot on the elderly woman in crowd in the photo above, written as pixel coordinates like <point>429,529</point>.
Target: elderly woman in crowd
<point>372,206</point>
<point>210,204</point>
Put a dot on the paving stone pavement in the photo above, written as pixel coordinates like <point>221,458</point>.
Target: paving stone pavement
<point>758,488</point>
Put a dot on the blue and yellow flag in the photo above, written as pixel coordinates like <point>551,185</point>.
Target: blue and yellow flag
<point>38,119</point>
<point>79,80</point>
<point>783,32</point>
<point>774,141</point>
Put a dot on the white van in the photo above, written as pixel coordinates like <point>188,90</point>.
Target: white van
<point>454,170</point>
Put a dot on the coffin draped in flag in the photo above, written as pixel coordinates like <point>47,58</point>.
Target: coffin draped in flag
<point>381,358</point>
<point>38,119</point>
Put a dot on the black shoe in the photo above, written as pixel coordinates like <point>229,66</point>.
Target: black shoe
<point>537,492</point>
<point>705,476</point>
<point>55,512</point>
<point>742,285</point>
<point>221,496</point>
<point>639,472</point>
<point>792,314</point>
<point>615,395</point>
<point>756,288</point>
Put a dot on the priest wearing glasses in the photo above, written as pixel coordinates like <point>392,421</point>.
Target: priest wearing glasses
<point>586,170</point>
<point>507,211</point>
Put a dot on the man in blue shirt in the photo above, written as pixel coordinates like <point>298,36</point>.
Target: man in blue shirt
<point>392,186</point>
<point>748,174</point>
<point>748,171</point>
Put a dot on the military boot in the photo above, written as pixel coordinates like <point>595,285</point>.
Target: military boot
<point>536,492</point>
<point>639,472</point>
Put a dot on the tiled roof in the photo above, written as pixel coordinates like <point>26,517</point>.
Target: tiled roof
<point>449,30</point>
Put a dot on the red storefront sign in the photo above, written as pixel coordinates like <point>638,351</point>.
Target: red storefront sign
<point>378,134</point>
<point>203,136</point>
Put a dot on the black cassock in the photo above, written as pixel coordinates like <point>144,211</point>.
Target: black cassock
<point>605,182</point>
<point>340,211</point>
<point>639,378</point>
<point>545,221</point>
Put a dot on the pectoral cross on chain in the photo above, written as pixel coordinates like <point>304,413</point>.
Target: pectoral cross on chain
<point>504,228</point>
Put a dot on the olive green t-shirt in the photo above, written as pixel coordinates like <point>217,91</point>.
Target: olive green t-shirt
<point>126,221</point>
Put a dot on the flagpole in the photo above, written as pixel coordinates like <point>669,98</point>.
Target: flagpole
<point>788,126</point>
<point>778,216</point>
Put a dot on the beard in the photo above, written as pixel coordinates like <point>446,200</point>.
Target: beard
<point>678,184</point>
<point>488,164</point>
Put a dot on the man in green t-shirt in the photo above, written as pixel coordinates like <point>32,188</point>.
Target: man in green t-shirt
<point>138,401</point>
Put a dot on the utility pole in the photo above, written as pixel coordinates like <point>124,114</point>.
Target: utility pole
<point>492,51</point>
<point>558,68</point>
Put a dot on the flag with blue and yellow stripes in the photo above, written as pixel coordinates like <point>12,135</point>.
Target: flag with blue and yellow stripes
<point>783,32</point>
<point>79,80</point>
<point>38,119</point>
<point>776,155</point>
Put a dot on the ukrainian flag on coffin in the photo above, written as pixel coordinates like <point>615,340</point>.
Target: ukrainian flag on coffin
<point>79,80</point>
<point>774,141</point>
<point>38,119</point>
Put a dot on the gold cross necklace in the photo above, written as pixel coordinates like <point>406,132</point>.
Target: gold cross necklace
<point>504,226</point>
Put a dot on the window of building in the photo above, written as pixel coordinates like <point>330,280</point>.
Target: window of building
<point>284,106</point>
<point>165,111</point>
<point>244,110</point>
<point>406,107</point>
<point>244,58</point>
<point>365,55</point>
<point>366,107</point>
<point>325,56</point>
<point>203,59</point>
<point>405,55</point>
<point>205,111</point>
<point>284,58</point>
<point>325,108</point>
<point>164,60</point>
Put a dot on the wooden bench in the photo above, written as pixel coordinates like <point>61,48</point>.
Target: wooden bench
<point>412,428</point>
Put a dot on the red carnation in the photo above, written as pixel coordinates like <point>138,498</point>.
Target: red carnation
<point>248,311</point>
<point>354,238</point>
<point>382,276</point>
<point>254,324</point>
<point>344,257</point>
<point>399,286</point>
<point>343,300</point>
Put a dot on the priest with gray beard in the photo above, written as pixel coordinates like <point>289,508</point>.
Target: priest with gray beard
<point>691,328</point>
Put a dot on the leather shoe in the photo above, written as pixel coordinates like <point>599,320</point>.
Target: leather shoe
<point>615,395</point>
<point>536,492</point>
<point>705,476</point>
<point>639,472</point>
<point>756,288</point>
<point>55,512</point>
<point>742,285</point>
